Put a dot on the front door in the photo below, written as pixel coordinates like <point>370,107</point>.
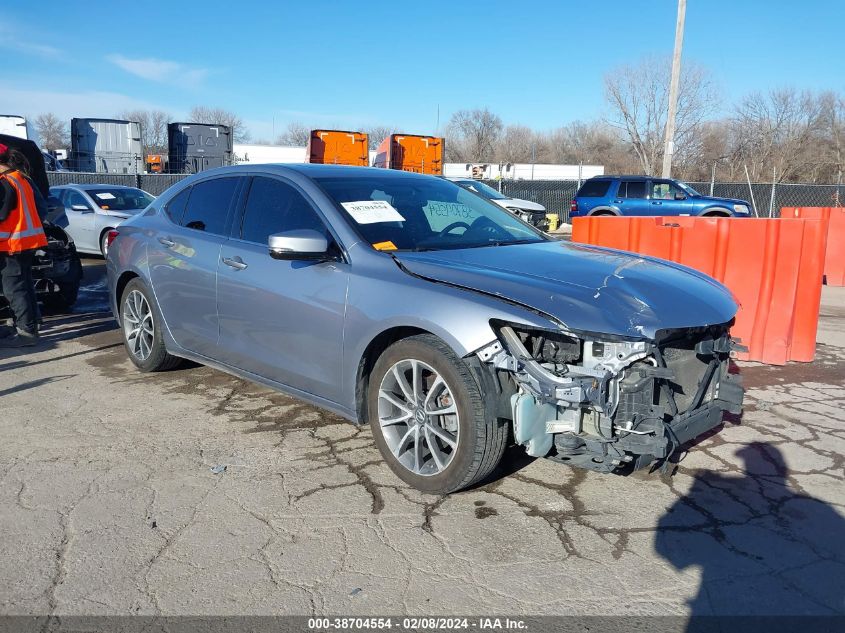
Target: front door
<point>282,320</point>
<point>183,261</point>
<point>667,198</point>
<point>81,220</point>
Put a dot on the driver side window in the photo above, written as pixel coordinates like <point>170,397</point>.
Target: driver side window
<point>664,190</point>
<point>276,207</point>
<point>74,197</point>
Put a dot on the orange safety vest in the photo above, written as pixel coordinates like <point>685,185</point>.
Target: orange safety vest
<point>22,230</point>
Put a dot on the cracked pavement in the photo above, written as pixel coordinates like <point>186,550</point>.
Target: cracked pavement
<point>109,505</point>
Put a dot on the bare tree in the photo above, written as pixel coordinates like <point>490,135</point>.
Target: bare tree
<point>52,131</point>
<point>518,144</point>
<point>153,128</point>
<point>592,143</point>
<point>638,97</point>
<point>775,134</point>
<point>471,135</point>
<point>219,116</point>
<point>295,135</point>
<point>377,133</point>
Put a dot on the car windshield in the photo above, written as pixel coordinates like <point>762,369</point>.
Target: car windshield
<point>116,199</point>
<point>484,190</point>
<point>416,214</point>
<point>689,190</point>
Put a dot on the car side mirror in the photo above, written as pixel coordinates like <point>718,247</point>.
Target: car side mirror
<point>81,207</point>
<point>680,196</point>
<point>301,244</point>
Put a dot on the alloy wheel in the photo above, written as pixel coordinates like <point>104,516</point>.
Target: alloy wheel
<point>418,417</point>
<point>138,325</point>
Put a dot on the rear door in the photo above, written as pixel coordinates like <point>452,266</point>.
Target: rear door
<point>631,198</point>
<point>282,320</point>
<point>183,261</point>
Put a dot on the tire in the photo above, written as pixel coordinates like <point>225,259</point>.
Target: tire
<point>602,214</point>
<point>146,348</point>
<point>63,299</point>
<point>104,243</point>
<point>479,439</point>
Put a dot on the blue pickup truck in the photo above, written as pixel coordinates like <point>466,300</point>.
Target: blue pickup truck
<point>647,195</point>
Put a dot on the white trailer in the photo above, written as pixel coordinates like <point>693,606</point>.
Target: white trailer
<point>264,154</point>
<point>521,171</point>
<point>15,125</point>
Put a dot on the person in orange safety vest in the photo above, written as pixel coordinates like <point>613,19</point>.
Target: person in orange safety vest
<point>21,234</point>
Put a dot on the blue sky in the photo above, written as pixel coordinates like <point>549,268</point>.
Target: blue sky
<point>350,64</point>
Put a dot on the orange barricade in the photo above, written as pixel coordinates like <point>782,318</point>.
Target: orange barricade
<point>773,267</point>
<point>834,260</point>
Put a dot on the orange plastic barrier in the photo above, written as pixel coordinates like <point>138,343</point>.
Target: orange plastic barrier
<point>772,266</point>
<point>834,260</point>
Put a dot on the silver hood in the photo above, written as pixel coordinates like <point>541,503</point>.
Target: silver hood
<point>586,288</point>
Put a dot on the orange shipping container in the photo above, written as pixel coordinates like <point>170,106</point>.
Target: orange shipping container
<point>409,152</point>
<point>338,147</point>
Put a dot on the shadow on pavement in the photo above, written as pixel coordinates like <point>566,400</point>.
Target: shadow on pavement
<point>763,549</point>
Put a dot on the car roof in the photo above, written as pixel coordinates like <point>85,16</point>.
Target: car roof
<point>314,170</point>
<point>87,186</point>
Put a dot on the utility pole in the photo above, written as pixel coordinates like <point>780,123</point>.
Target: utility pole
<point>669,143</point>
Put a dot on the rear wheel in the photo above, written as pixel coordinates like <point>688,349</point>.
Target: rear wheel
<point>428,417</point>
<point>602,213</point>
<point>141,323</point>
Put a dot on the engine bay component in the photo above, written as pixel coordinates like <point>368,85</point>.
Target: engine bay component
<point>607,404</point>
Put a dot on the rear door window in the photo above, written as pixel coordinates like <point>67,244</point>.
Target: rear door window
<point>175,209</point>
<point>632,189</point>
<point>273,207</point>
<point>594,189</point>
<point>208,205</point>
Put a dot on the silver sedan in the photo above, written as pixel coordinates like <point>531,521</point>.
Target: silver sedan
<point>419,307</point>
<point>93,210</point>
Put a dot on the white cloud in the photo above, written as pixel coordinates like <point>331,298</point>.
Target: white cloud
<point>66,105</point>
<point>160,70</point>
<point>12,38</point>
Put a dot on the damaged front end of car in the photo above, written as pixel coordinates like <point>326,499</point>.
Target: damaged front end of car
<point>610,403</point>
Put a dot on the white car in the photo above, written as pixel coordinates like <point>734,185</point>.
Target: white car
<point>531,212</point>
<point>94,210</point>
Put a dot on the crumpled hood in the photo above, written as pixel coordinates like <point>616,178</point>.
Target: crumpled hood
<point>585,287</point>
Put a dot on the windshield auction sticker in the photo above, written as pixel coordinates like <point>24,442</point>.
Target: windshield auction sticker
<point>372,211</point>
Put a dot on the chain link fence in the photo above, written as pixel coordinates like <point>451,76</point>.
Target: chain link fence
<point>555,195</point>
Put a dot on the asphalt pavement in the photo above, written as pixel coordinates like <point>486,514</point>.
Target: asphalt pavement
<point>193,492</point>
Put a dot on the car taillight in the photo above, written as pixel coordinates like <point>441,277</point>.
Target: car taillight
<point>111,236</point>
<point>573,207</point>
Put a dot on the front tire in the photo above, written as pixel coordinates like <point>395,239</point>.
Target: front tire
<point>429,418</point>
<point>141,323</point>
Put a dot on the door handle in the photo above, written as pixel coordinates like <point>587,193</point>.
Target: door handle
<point>166,242</point>
<point>235,262</point>
<point>656,203</point>
<point>617,202</point>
